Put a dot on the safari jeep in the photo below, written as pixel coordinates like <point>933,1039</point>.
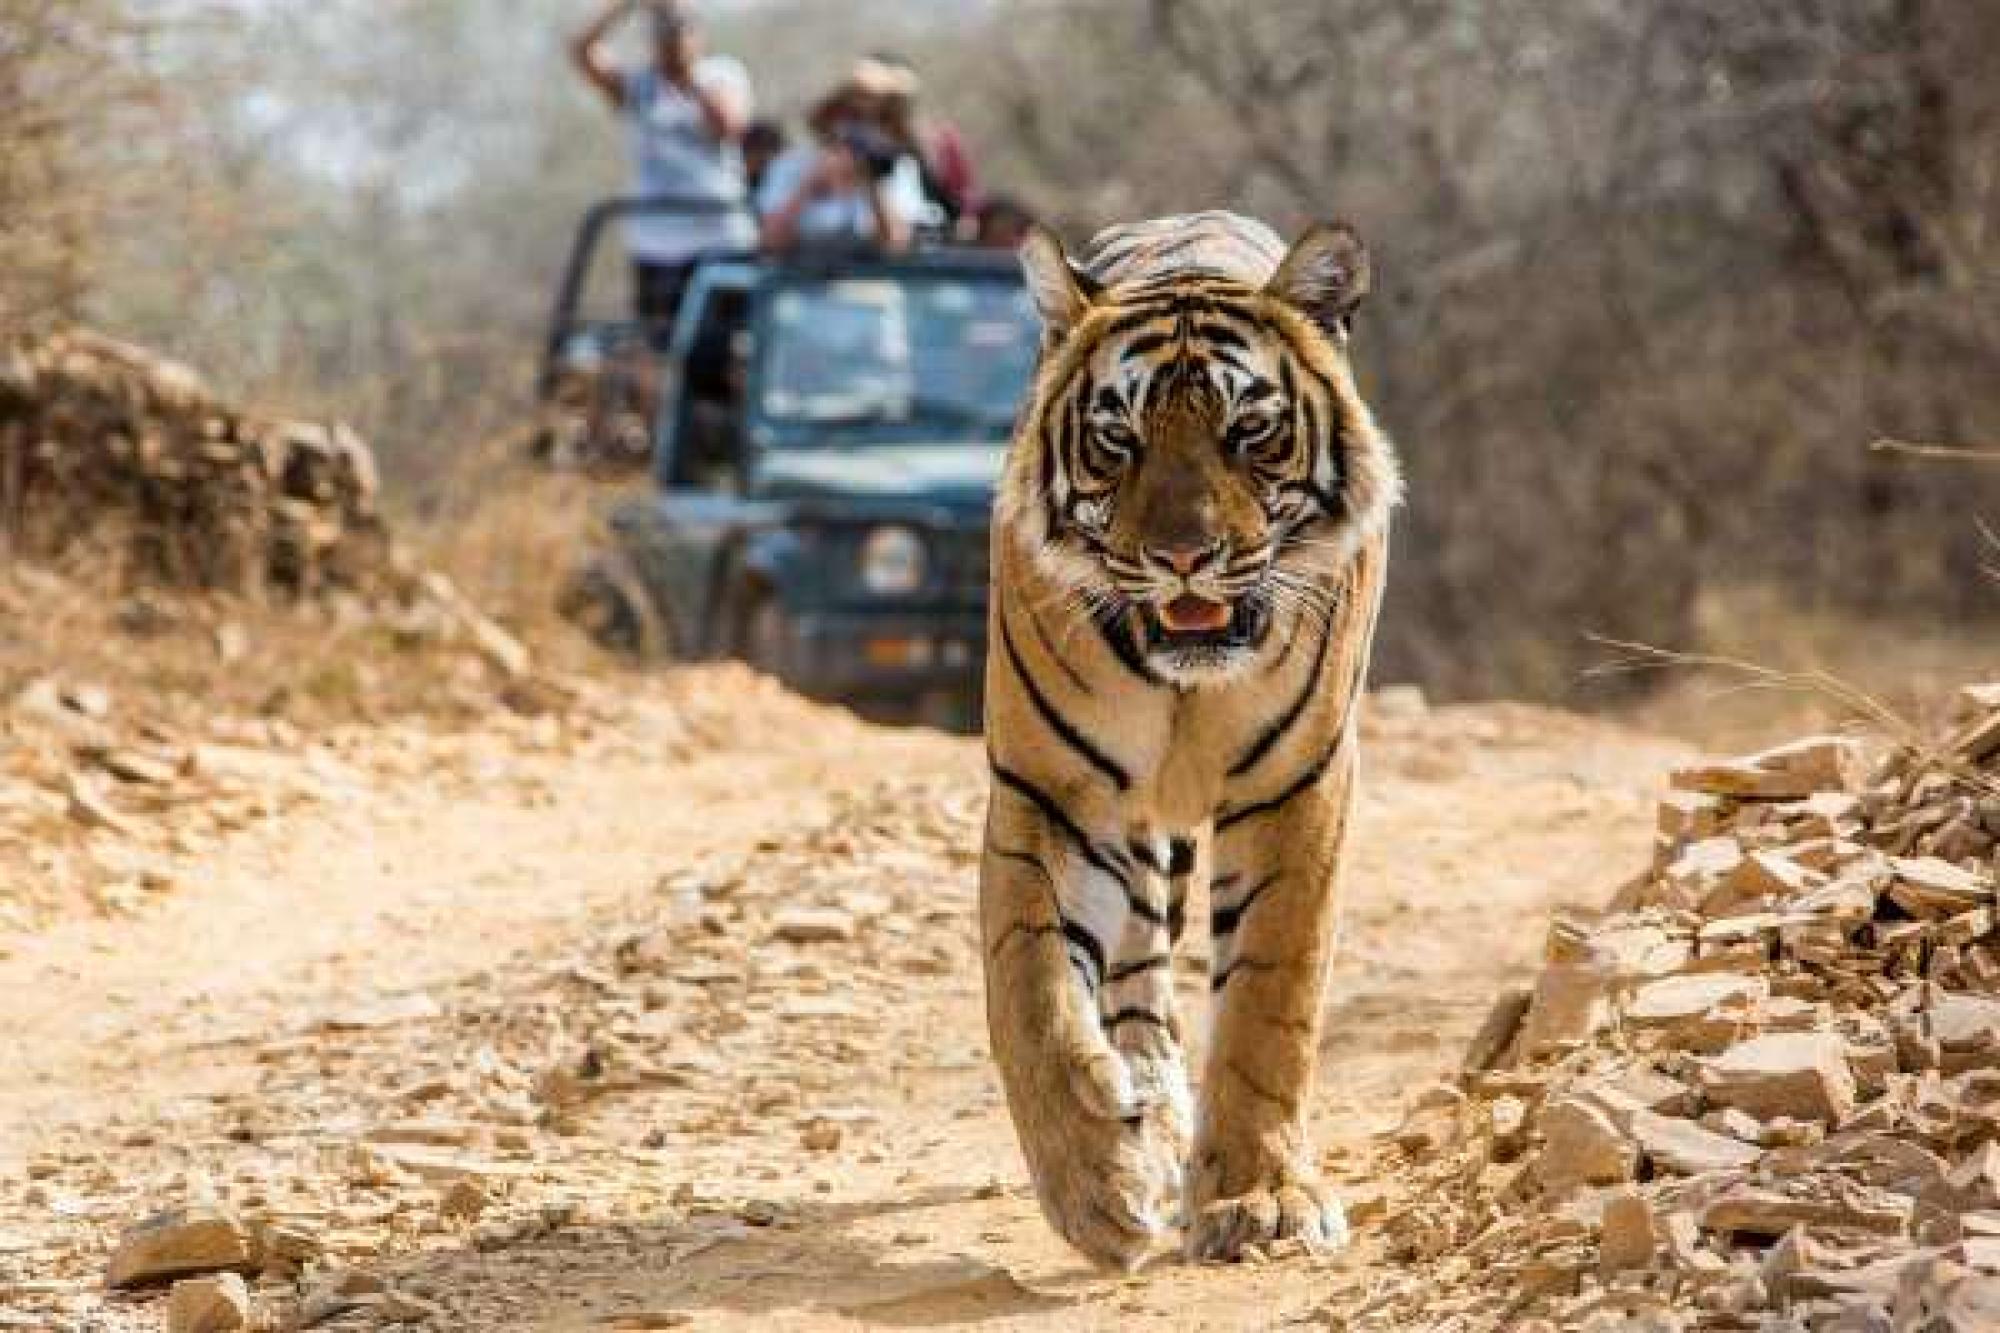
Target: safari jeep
<point>826,442</point>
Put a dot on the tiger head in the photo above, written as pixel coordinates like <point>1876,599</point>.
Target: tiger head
<point>1195,468</point>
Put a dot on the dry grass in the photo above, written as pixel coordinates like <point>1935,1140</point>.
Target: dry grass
<point>1858,707</point>
<point>181,658</point>
<point>508,533</point>
<point>1763,668</point>
<point>1954,453</point>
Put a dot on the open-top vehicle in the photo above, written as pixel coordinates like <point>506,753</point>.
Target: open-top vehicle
<point>826,433</point>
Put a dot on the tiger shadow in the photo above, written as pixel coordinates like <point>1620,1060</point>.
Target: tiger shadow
<point>715,1271</point>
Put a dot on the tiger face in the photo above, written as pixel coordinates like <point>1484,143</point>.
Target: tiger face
<point>1201,467</point>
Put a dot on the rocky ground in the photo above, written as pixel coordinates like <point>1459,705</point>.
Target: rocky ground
<point>661,1009</point>
<point>1762,1092</point>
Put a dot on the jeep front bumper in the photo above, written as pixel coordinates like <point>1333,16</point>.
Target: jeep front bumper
<point>885,655</point>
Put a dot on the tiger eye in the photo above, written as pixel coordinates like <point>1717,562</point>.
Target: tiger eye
<point>1116,437</point>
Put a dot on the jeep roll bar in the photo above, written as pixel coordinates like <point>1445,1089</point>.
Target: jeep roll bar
<point>576,270</point>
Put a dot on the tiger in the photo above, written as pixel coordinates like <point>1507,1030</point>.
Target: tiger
<point>1188,552</point>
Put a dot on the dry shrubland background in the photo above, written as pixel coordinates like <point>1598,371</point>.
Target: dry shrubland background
<point>1651,276</point>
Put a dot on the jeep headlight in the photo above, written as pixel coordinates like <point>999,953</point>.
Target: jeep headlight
<point>892,562</point>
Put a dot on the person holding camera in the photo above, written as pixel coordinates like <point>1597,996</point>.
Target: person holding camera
<point>849,187</point>
<point>684,116</point>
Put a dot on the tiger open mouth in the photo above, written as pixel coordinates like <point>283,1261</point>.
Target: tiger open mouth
<point>1189,621</point>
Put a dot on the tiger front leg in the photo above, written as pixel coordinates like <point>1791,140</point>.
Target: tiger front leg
<point>1273,909</point>
<point>1137,1000</point>
<point>1052,913</point>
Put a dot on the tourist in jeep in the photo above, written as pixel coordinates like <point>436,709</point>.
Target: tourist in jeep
<point>852,186</point>
<point>684,116</point>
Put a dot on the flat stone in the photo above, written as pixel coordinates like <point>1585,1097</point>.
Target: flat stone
<point>336,1293</point>
<point>813,925</point>
<point>1572,1002</point>
<point>443,1166</point>
<point>1582,1145</point>
<point>1638,950</point>
<point>1928,887</point>
<point>1693,875</point>
<point>1803,1075</point>
<point>1496,1034</point>
<point>1685,1147</point>
<point>382,1011</point>
<point>1966,1028</point>
<point>1849,896</point>
<point>1701,1011</point>
<point>88,807</point>
<point>181,1242</point>
<point>139,768</point>
<point>1788,772</point>
<point>1631,1233</point>
<point>1819,1202</point>
<point>1760,875</point>
<point>209,1305</point>
<point>1643,1088</point>
<point>1688,816</point>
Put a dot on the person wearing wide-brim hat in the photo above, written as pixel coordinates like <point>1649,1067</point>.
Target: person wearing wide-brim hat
<point>853,185</point>
<point>936,147</point>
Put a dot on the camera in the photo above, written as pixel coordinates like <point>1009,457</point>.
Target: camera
<point>876,152</point>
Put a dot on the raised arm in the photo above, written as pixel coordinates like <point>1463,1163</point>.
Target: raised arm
<point>586,52</point>
<point>724,103</point>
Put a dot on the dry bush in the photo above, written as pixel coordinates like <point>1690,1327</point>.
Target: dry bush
<point>1652,276</point>
<point>52,193</point>
<point>510,533</point>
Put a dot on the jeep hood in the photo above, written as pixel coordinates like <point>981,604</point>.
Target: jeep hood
<point>959,476</point>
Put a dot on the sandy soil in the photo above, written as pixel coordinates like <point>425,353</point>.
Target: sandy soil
<point>573,973</point>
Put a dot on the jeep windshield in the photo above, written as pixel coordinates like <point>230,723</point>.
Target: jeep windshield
<point>913,353</point>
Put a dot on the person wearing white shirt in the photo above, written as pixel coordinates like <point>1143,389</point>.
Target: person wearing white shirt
<point>852,185</point>
<point>684,115</point>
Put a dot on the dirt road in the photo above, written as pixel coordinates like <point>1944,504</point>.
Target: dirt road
<point>547,1031</point>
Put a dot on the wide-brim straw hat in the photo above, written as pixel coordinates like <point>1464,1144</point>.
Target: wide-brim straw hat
<point>881,79</point>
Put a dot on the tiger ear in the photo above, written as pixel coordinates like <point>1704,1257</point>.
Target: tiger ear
<point>1325,274</point>
<point>1061,294</point>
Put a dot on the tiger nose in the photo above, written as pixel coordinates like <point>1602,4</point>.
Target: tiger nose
<point>1184,558</point>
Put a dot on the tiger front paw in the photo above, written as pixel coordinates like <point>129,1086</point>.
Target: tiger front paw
<point>1159,1077</point>
<point>1105,1166</point>
<point>1299,1210</point>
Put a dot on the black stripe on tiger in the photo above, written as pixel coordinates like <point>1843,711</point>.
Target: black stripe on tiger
<point>1134,1014</point>
<point>1221,979</point>
<point>1109,861</point>
<point>1133,967</point>
<point>1313,773</point>
<point>1068,732</point>
<point>1282,725</point>
<point>1223,921</point>
<point>1074,932</point>
<point>1070,673</point>
<point>1117,635</point>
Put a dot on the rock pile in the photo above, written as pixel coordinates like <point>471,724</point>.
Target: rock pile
<point>1762,1091</point>
<point>109,453</point>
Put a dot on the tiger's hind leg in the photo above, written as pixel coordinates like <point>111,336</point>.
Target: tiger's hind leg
<point>1273,906</point>
<point>1054,911</point>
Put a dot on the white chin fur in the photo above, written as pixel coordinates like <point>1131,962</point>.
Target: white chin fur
<point>1196,669</point>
